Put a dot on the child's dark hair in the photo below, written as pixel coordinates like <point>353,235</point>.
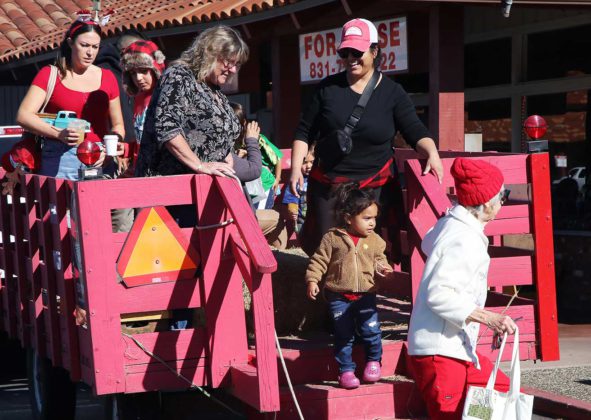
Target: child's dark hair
<point>352,200</point>
<point>239,111</point>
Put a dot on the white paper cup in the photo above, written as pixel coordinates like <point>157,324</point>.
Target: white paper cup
<point>110,142</point>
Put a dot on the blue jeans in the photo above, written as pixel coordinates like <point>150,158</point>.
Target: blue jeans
<point>59,160</point>
<point>349,317</point>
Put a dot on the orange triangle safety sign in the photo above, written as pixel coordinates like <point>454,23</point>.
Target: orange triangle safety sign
<point>156,251</point>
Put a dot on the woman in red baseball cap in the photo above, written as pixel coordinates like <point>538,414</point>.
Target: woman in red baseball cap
<point>370,158</point>
<point>447,313</point>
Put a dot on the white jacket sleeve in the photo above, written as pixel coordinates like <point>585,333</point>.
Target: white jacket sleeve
<point>449,282</point>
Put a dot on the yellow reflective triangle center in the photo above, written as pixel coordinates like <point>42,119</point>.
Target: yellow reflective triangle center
<point>157,250</point>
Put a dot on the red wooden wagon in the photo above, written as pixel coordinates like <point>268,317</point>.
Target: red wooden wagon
<point>48,220</point>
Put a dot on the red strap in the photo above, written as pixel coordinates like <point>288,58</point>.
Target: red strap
<point>382,177</point>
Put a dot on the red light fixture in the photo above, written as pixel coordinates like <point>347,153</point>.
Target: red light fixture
<point>88,152</point>
<point>535,126</point>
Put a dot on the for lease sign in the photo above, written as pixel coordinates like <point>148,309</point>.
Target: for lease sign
<point>318,50</point>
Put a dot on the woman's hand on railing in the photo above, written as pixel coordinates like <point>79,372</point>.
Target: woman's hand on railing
<point>216,168</point>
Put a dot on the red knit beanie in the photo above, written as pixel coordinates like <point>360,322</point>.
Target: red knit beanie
<point>476,181</point>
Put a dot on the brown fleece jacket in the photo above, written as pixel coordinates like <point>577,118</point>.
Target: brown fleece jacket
<point>344,266</point>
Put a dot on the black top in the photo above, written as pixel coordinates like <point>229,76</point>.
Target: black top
<point>389,110</point>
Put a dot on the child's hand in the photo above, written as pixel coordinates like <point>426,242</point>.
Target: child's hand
<point>252,129</point>
<point>313,290</point>
<point>383,269</point>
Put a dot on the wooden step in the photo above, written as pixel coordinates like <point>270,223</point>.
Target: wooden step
<point>310,357</point>
<point>311,362</point>
<point>394,397</point>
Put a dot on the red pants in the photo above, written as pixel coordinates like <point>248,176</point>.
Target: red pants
<point>443,382</point>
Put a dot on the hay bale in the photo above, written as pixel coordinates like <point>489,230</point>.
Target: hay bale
<point>294,312</point>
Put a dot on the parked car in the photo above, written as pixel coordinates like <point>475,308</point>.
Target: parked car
<point>578,173</point>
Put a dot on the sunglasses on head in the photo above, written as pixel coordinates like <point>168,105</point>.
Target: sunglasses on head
<point>344,53</point>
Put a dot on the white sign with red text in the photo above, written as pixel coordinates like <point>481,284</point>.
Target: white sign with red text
<point>318,50</point>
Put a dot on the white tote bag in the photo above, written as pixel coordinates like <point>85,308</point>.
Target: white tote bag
<point>488,404</point>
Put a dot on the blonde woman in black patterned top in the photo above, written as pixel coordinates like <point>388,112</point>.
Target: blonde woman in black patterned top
<point>190,126</point>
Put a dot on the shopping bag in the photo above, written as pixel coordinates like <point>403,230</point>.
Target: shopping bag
<point>488,404</point>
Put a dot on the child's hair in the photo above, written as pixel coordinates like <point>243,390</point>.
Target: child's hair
<point>312,148</point>
<point>239,111</point>
<point>352,200</point>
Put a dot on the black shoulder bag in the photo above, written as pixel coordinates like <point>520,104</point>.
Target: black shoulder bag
<point>338,144</point>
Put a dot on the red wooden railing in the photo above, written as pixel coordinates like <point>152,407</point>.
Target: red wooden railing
<point>37,296</point>
<point>427,200</point>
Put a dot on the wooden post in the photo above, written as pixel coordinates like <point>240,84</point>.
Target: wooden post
<point>221,285</point>
<point>446,76</point>
<point>48,270</point>
<point>17,218</point>
<point>8,290</point>
<point>286,89</point>
<point>541,215</point>
<point>37,260</point>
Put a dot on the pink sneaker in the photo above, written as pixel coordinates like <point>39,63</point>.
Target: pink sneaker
<point>348,380</point>
<point>372,372</point>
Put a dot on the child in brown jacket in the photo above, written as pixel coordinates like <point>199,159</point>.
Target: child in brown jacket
<point>347,259</point>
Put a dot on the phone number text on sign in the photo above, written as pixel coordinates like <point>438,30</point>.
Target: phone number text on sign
<point>318,50</point>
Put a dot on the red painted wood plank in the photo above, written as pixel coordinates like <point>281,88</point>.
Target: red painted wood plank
<point>221,284</point>
<point>124,193</point>
<point>526,324</point>
<point>313,365</point>
<point>247,225</point>
<point>9,289</point>
<point>245,385</point>
<point>385,399</point>
<point>35,307</point>
<point>164,380</point>
<point>510,211</point>
<point>156,297</point>
<point>59,198</point>
<point>47,273</point>
<point>264,327</point>
<point>516,226</point>
<point>93,230</point>
<point>157,366</point>
<point>17,217</point>
<point>436,196</point>
<point>541,215</point>
<point>167,345</point>
<point>499,299</point>
<point>509,271</point>
<point>241,256</point>
<point>527,349</point>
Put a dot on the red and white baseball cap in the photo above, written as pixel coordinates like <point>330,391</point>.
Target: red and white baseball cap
<point>358,34</point>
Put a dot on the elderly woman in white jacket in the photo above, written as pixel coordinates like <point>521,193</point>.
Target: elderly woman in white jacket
<point>448,311</point>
